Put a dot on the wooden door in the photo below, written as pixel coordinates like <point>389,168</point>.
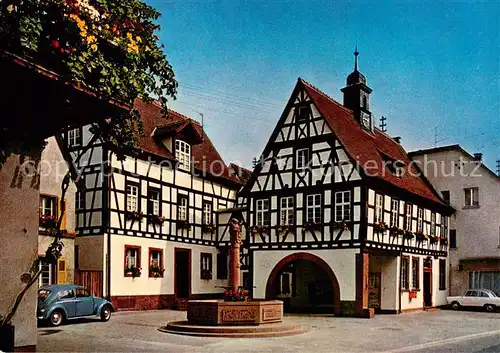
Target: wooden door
<point>61,271</point>
<point>374,290</point>
<point>182,274</point>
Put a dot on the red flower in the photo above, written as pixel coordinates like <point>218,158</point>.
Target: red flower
<point>226,293</point>
<point>244,292</point>
<point>55,44</point>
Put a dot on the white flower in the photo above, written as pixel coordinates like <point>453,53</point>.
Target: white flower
<point>11,8</point>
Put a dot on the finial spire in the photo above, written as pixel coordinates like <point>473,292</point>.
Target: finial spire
<point>356,53</point>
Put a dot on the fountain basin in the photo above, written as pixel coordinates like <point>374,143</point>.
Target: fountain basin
<point>220,312</point>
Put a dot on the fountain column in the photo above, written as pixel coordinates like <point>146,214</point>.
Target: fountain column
<point>234,254</point>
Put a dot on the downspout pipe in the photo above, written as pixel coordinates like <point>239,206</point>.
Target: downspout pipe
<point>400,278</point>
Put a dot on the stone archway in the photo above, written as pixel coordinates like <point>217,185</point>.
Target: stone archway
<point>318,263</point>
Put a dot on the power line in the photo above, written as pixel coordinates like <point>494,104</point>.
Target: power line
<point>212,91</point>
<point>226,102</point>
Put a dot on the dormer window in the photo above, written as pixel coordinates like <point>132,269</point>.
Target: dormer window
<point>183,154</point>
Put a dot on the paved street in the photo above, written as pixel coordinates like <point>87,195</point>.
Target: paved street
<point>437,331</point>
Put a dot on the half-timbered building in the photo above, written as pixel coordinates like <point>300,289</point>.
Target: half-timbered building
<point>339,219</point>
<point>148,231</point>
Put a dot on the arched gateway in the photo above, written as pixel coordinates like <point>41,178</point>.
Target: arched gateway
<point>304,282</point>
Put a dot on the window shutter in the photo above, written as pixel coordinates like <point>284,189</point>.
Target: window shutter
<point>63,221</point>
<point>61,271</point>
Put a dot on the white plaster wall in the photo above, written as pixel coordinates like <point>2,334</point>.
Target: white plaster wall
<point>144,285</point>
<point>342,262</point>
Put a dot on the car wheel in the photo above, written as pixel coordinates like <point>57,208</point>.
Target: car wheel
<point>106,313</point>
<point>455,305</point>
<point>490,308</point>
<point>56,318</point>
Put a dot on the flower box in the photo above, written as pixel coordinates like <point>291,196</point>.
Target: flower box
<point>240,294</point>
<point>47,222</point>
<point>285,228</point>
<point>434,239</point>
<point>156,219</point>
<point>408,234</point>
<point>183,224</point>
<point>412,294</point>
<point>311,226</point>
<point>420,236</point>
<point>133,215</point>
<point>206,274</point>
<point>133,272</point>
<point>395,231</point>
<point>259,230</point>
<point>208,228</point>
<point>380,227</point>
<point>155,271</point>
<point>341,225</point>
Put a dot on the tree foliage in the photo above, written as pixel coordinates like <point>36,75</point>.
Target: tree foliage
<point>106,46</point>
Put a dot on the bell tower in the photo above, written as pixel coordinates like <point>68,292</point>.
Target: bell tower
<point>357,96</point>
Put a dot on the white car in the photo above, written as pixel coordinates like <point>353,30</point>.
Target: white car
<point>484,298</point>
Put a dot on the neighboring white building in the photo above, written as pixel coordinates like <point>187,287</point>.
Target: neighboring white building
<point>53,168</point>
<point>326,180</point>
<point>155,211</point>
<point>474,191</point>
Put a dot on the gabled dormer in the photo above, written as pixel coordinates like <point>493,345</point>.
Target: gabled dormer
<point>357,96</point>
<point>179,137</point>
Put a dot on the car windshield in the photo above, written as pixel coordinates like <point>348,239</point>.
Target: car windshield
<point>43,294</point>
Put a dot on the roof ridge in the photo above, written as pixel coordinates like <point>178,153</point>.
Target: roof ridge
<point>324,94</point>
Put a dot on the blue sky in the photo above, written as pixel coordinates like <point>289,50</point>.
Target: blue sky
<point>432,66</point>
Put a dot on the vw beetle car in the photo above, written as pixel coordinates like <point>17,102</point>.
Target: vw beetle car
<point>60,302</point>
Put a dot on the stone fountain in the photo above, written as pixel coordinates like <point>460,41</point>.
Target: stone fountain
<point>225,318</point>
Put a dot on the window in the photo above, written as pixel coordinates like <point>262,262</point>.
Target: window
<point>343,206</point>
<point>132,257</point>
<point>394,213</point>
<point>183,154</point>
<point>405,272</point>
<point>420,219</point>
<point>415,273</point>
<point>442,274</point>
<point>207,213</point>
<point>222,265</point>
<point>182,208</point>
<point>46,276</point>
<point>77,257</point>
<point>75,137</point>
<point>408,216</point>
<point>66,294</point>
<point>82,293</point>
<point>302,159</point>
<point>453,238</point>
<point>154,201</point>
<point>471,293</point>
<point>446,196</point>
<point>303,113</point>
<point>433,224</point>
<point>471,197</point>
<point>80,200</point>
<point>486,280</point>
<point>155,262</point>
<point>262,212</point>
<point>379,208</point>
<point>444,227</point>
<point>286,212</point>
<point>205,266</point>
<point>132,198</point>
<point>313,208</point>
<point>48,205</point>
<point>365,103</point>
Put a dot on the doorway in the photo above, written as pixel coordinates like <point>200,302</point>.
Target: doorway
<point>182,276</point>
<point>427,282</point>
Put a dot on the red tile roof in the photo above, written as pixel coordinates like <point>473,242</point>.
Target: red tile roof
<point>242,173</point>
<point>363,146</point>
<point>205,156</point>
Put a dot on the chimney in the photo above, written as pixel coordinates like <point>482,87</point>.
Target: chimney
<point>478,156</point>
<point>397,139</point>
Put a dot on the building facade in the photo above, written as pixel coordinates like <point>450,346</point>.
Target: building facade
<point>337,220</point>
<point>474,191</point>
<point>149,234</point>
<point>53,169</point>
